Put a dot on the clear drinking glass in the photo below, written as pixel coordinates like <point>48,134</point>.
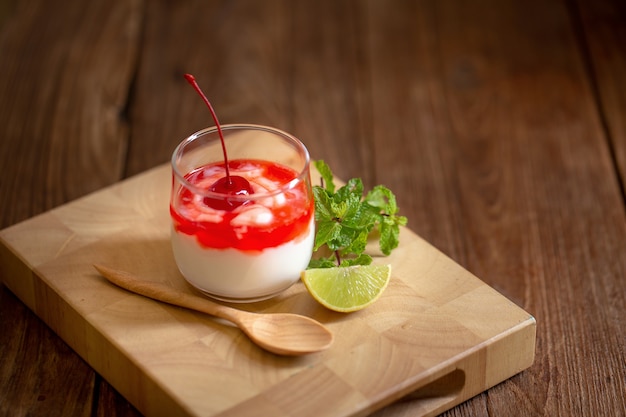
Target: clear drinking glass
<point>242,248</point>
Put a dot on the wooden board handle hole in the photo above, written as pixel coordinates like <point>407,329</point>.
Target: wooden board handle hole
<point>438,393</point>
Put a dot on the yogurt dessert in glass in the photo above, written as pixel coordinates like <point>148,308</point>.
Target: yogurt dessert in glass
<point>249,246</point>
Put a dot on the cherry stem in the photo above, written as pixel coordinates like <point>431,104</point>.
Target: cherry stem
<point>192,80</point>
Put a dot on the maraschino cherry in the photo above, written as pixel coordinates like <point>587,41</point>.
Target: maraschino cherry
<point>230,184</point>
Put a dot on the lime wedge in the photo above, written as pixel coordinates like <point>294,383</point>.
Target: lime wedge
<point>347,289</point>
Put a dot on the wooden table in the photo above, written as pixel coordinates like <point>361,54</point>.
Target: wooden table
<point>500,125</point>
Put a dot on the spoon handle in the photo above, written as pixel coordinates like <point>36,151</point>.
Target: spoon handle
<point>168,294</point>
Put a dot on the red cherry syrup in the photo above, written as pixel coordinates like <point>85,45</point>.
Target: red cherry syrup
<point>230,184</point>
<point>221,229</point>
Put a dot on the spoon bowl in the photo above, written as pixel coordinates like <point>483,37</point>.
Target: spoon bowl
<point>280,333</point>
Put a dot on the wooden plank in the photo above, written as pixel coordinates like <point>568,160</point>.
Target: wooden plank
<point>603,34</point>
<point>65,75</point>
<point>267,63</point>
<point>34,360</point>
<point>532,209</point>
<point>69,106</point>
<point>511,174</point>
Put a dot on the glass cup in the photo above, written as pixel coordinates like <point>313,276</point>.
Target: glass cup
<point>242,248</point>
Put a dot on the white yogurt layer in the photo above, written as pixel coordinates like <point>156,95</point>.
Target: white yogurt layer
<point>235,275</point>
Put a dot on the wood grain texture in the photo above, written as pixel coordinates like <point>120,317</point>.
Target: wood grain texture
<point>65,118</point>
<point>40,372</point>
<point>603,39</point>
<point>66,72</point>
<point>498,124</point>
<point>434,320</point>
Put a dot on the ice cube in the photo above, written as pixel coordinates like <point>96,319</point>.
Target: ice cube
<point>254,214</point>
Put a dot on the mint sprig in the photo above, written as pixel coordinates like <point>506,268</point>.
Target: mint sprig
<point>345,219</point>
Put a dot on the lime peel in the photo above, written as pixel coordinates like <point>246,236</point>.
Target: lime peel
<point>347,289</point>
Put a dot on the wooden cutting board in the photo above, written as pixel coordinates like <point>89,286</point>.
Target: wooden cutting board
<point>436,337</point>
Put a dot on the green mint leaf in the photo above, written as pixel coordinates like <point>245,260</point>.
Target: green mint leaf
<point>323,204</point>
<point>339,209</point>
<point>347,210</point>
<point>357,242</point>
<point>322,263</point>
<point>362,259</point>
<point>389,236</point>
<point>327,232</point>
<point>390,233</point>
<point>365,217</point>
<point>327,175</point>
<point>343,239</point>
<point>382,198</point>
<point>345,219</point>
<point>353,189</point>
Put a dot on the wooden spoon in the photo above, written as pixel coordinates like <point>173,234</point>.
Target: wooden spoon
<point>283,334</point>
